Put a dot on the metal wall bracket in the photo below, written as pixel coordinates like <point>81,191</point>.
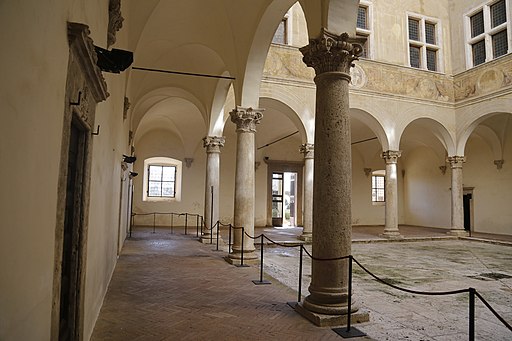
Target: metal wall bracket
<point>79,99</point>
<point>97,132</point>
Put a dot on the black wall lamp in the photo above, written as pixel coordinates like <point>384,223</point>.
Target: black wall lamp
<point>129,159</point>
<point>114,60</point>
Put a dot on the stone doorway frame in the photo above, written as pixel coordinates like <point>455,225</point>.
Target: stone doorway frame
<point>85,87</point>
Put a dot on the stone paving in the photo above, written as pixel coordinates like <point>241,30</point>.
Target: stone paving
<point>171,287</point>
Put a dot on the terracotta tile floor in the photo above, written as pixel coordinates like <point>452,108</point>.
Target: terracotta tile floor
<point>171,287</point>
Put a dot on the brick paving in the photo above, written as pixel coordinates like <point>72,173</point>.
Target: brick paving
<point>171,287</point>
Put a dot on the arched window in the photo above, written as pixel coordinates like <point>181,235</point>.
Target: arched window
<point>162,179</point>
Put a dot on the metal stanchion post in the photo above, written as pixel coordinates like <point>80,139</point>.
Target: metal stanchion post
<point>197,226</point>
<point>186,223</point>
<point>211,216</point>
<point>300,273</point>
<point>261,281</point>
<point>218,228</point>
<point>229,240</point>
<point>242,265</point>
<point>131,224</point>
<point>472,314</point>
<point>349,332</point>
<point>154,221</point>
<point>172,223</point>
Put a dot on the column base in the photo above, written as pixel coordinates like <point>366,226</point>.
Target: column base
<point>205,239</point>
<point>324,320</point>
<point>392,235</point>
<point>458,233</point>
<point>307,237</point>
<point>250,258</point>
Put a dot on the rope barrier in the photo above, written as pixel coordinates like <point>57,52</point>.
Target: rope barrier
<point>472,292</point>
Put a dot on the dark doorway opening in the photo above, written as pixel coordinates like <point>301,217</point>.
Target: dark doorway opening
<point>70,289</point>
<point>466,201</point>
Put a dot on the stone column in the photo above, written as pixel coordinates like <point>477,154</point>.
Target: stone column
<point>331,56</point>
<point>307,231</point>
<point>457,193</point>
<point>211,205</point>
<point>245,120</point>
<point>391,228</point>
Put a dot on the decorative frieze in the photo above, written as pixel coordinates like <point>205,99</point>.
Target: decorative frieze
<point>332,53</point>
<point>213,143</point>
<point>246,119</point>
<point>308,149</point>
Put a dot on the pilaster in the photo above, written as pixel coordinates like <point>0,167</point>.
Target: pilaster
<point>457,216</point>
<point>391,228</point>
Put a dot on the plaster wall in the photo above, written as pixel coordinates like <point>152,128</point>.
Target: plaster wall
<point>492,191</point>
<point>32,90</point>
<point>390,29</point>
<point>426,190</point>
<point>164,143</point>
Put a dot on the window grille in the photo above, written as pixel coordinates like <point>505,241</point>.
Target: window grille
<point>498,14</point>
<point>414,52</point>
<point>362,17</point>
<point>378,188</point>
<point>431,60</point>
<point>161,181</point>
<point>430,33</point>
<point>499,44</point>
<point>414,25</point>
<point>478,52</point>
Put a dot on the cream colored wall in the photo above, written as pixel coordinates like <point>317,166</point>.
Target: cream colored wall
<point>32,105</point>
<point>492,193</point>
<point>390,28</point>
<point>164,143</point>
<point>427,197</point>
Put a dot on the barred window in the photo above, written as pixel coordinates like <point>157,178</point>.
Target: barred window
<point>498,13</point>
<point>424,44</point>
<point>430,33</point>
<point>431,60</point>
<point>477,24</point>
<point>414,29</point>
<point>487,30</point>
<point>499,44</point>
<point>378,188</point>
<point>415,56</point>
<point>362,17</point>
<point>161,181</point>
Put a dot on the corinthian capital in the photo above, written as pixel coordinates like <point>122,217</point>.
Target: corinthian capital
<point>456,161</point>
<point>213,143</point>
<point>330,52</point>
<point>308,149</point>
<point>246,118</point>
<point>391,156</point>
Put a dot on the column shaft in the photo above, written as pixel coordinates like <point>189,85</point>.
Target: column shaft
<point>307,231</point>
<point>211,214</point>
<point>391,227</point>
<point>246,120</point>
<point>331,56</point>
<point>457,195</point>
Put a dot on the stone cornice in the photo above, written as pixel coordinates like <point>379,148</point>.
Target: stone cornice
<point>332,53</point>
<point>213,143</point>
<point>83,49</point>
<point>308,149</point>
<point>246,118</point>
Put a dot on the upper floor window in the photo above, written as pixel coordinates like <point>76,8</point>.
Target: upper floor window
<point>282,34</point>
<point>488,33</point>
<point>162,179</point>
<point>364,28</point>
<point>424,43</point>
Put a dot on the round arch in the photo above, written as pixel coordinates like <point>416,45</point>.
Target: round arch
<point>373,123</point>
<point>289,112</point>
<point>436,128</point>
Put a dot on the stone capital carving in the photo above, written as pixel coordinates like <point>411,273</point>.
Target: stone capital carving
<point>188,161</point>
<point>499,163</point>
<point>126,107</point>
<point>213,143</point>
<point>442,169</point>
<point>456,161</point>
<point>246,118</point>
<point>391,156</point>
<point>115,21</point>
<point>332,53</point>
<point>308,149</point>
<point>367,171</point>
